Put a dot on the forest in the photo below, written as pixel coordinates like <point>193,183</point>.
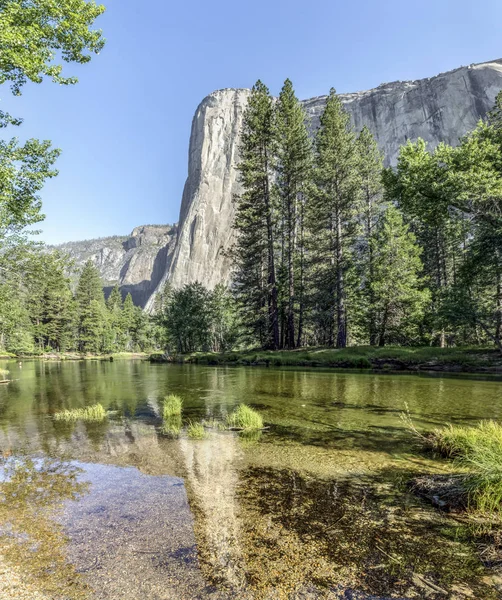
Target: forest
<point>332,249</point>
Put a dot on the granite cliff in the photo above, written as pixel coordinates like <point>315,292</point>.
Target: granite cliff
<point>440,108</point>
<point>136,263</point>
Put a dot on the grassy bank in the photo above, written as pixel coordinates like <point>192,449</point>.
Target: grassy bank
<point>469,360</point>
<point>78,356</point>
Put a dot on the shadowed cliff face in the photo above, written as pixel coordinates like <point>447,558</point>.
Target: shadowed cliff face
<point>440,108</point>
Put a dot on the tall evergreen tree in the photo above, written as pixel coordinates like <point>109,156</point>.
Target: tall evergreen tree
<point>91,309</point>
<point>370,171</point>
<point>255,249</point>
<point>333,218</point>
<point>295,161</point>
<point>397,288</point>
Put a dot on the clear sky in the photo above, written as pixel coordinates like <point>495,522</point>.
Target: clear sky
<point>124,129</point>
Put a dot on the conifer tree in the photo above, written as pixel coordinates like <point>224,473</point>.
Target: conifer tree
<point>370,171</point>
<point>397,286</point>
<point>294,167</point>
<point>128,322</point>
<point>91,308</point>
<point>333,216</point>
<point>254,251</point>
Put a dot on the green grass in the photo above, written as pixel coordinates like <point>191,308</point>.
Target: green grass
<point>89,413</point>
<point>477,451</point>
<point>173,406</point>
<point>244,417</point>
<point>171,426</point>
<point>196,431</point>
<point>362,357</point>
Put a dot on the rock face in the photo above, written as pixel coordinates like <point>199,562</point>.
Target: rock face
<point>136,263</point>
<point>441,108</point>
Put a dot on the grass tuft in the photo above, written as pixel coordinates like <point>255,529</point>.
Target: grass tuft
<point>172,426</point>
<point>196,431</point>
<point>89,413</point>
<point>478,451</point>
<point>172,406</point>
<point>244,417</point>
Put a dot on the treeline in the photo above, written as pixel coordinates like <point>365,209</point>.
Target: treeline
<point>333,249</point>
<point>40,313</point>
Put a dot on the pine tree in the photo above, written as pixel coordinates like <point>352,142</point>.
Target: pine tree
<point>91,308</point>
<point>333,221</point>
<point>128,322</point>
<point>114,305</point>
<point>255,222</point>
<point>370,171</point>
<point>294,166</point>
<point>397,286</point>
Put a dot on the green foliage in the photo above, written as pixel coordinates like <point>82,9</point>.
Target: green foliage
<point>173,405</point>
<point>196,431</point>
<point>96,412</point>
<point>244,417</point>
<point>92,310</point>
<point>171,425</point>
<point>35,34</point>
<point>477,451</point>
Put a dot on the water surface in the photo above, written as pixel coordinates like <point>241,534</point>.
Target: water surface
<point>315,506</point>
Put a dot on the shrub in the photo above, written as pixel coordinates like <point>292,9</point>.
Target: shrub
<point>196,431</point>
<point>244,417</point>
<point>90,413</point>
<point>172,406</point>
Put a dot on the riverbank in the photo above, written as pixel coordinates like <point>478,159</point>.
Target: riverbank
<point>450,360</point>
<point>77,356</point>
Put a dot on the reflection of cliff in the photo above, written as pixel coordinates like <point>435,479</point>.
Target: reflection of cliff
<point>211,479</point>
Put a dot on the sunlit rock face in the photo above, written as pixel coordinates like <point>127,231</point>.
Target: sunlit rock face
<point>441,108</point>
<point>136,263</point>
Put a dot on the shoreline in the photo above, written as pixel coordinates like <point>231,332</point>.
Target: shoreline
<point>416,360</point>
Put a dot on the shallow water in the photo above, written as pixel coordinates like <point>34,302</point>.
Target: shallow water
<point>315,506</point>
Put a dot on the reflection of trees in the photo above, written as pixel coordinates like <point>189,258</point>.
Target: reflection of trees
<point>31,493</point>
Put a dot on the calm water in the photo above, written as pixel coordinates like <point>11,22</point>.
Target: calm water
<point>315,506</point>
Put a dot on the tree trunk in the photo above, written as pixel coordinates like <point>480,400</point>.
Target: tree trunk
<point>341,317</point>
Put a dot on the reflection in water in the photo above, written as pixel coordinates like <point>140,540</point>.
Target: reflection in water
<point>311,507</point>
<point>211,478</point>
<point>31,494</point>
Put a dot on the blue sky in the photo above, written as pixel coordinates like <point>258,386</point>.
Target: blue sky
<point>124,129</point>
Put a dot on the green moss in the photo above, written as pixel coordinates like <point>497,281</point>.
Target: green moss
<point>244,417</point>
<point>173,405</point>
<point>90,413</point>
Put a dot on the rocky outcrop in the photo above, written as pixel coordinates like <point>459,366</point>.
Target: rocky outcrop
<point>441,108</point>
<point>136,263</point>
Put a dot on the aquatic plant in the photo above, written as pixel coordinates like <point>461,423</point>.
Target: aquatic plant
<point>4,373</point>
<point>244,417</point>
<point>171,426</point>
<point>196,431</point>
<point>96,412</point>
<point>172,406</point>
<point>478,451</point>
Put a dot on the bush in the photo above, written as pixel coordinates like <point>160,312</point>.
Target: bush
<point>196,431</point>
<point>89,413</point>
<point>172,406</point>
<point>244,417</point>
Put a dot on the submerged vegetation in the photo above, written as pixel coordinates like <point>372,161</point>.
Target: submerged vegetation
<point>96,412</point>
<point>196,431</point>
<point>477,452</point>
<point>173,406</point>
<point>245,418</point>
